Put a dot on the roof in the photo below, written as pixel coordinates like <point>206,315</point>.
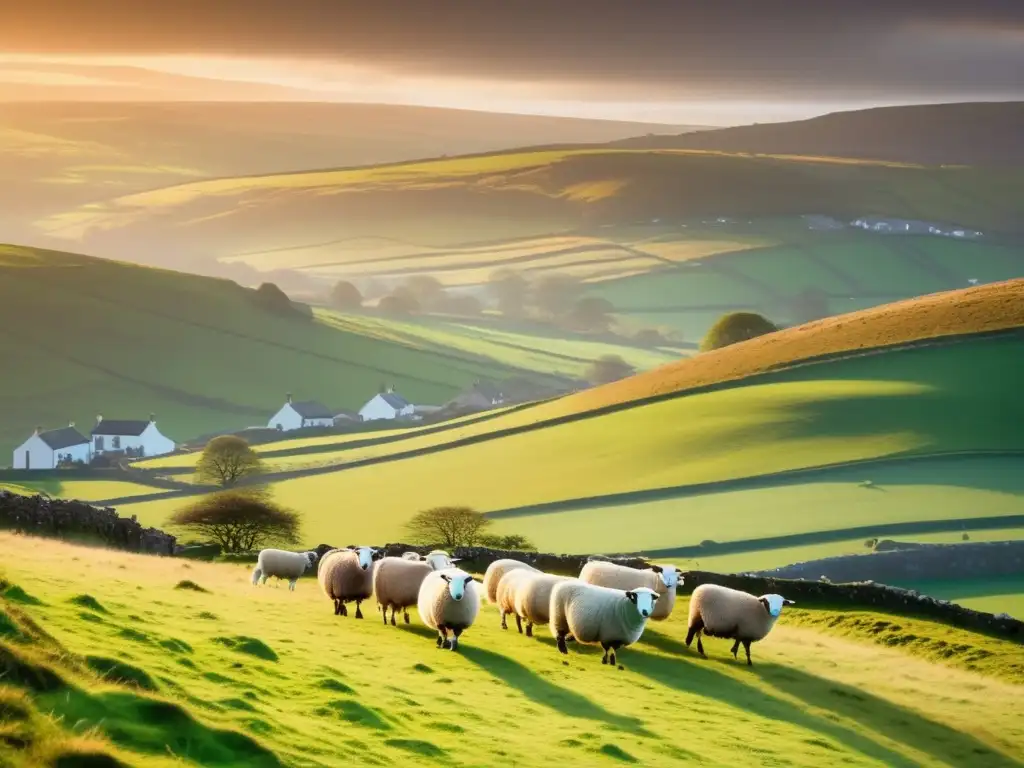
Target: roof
<point>310,409</point>
<point>346,413</point>
<point>395,400</point>
<point>63,438</point>
<point>120,427</point>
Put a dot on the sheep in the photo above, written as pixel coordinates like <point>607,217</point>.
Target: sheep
<point>448,600</point>
<point>532,599</point>
<point>505,594</point>
<point>396,580</point>
<point>718,611</point>
<point>346,575</point>
<point>611,618</point>
<point>495,571</point>
<point>663,579</point>
<point>283,565</point>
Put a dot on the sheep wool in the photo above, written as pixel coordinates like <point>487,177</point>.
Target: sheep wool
<point>495,571</point>
<point>718,611</point>
<point>448,600</point>
<point>658,578</point>
<point>532,598</point>
<point>505,594</point>
<point>611,618</point>
<point>396,584</point>
<point>346,575</point>
<point>283,565</point>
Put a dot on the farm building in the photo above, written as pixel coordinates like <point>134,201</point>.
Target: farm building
<point>132,438</point>
<point>386,405</point>
<point>480,396</point>
<point>346,416</point>
<point>46,450</point>
<point>298,415</point>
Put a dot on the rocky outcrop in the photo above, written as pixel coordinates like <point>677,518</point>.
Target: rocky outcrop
<point>919,562</point>
<point>42,516</point>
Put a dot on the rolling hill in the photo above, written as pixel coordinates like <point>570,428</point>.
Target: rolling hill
<point>981,133</point>
<point>125,341</point>
<point>918,396</point>
<point>191,664</point>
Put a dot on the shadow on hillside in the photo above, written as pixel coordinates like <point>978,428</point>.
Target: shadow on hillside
<point>958,589</point>
<point>541,691</point>
<point>835,701</point>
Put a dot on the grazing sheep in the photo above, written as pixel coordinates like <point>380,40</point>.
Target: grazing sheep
<point>283,565</point>
<point>505,594</point>
<point>718,611</point>
<point>532,600</point>
<point>448,600</point>
<point>611,618</point>
<point>662,579</point>
<point>495,571</point>
<point>396,581</point>
<point>416,557</point>
<point>346,575</point>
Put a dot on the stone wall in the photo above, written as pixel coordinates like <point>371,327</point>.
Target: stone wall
<point>41,516</point>
<point>921,562</point>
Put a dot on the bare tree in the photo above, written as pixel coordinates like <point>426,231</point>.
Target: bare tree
<point>447,526</point>
<point>226,460</point>
<point>239,521</point>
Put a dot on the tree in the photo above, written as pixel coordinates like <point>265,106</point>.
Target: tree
<point>736,327</point>
<point>509,541</point>
<point>511,291</point>
<point>556,294</point>
<point>401,302</point>
<point>427,290</point>
<point>650,337</point>
<point>592,313</point>
<point>607,369</point>
<point>272,298</point>
<point>344,295</point>
<point>449,527</point>
<point>226,460</point>
<point>240,521</point>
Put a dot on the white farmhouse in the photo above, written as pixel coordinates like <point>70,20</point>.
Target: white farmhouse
<point>298,415</point>
<point>46,450</point>
<point>132,438</point>
<point>386,405</point>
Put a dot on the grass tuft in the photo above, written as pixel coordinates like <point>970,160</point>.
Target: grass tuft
<point>89,602</point>
<point>190,585</point>
<point>249,645</point>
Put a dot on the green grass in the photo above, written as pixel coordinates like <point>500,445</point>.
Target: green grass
<point>995,595</point>
<point>817,695</point>
<point>85,490</point>
<point>932,400</point>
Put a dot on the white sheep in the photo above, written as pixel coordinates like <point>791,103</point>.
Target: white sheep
<point>397,580</point>
<point>659,578</point>
<point>448,600</point>
<point>283,565</point>
<point>718,611</point>
<point>611,618</point>
<point>495,571</point>
<point>505,594</point>
<point>346,575</point>
<point>532,598</point>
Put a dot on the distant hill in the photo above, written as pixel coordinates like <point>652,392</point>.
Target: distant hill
<point>981,133</point>
<point>55,155</point>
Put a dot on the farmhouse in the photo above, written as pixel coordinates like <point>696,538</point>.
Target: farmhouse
<point>131,438</point>
<point>298,415</point>
<point>47,450</point>
<point>386,405</point>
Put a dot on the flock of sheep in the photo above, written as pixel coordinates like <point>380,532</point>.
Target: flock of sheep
<point>607,604</point>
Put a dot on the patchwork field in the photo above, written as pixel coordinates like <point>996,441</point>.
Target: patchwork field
<point>220,677</point>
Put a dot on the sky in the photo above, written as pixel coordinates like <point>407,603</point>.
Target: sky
<point>706,62</point>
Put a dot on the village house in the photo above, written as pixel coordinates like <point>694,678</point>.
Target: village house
<point>300,415</point>
<point>386,405</point>
<point>128,437</point>
<point>49,449</point>
<point>346,416</point>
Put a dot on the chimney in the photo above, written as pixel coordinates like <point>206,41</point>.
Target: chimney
<point>391,388</point>
<point>288,397</point>
<point>152,418</point>
<point>71,424</point>
<point>99,418</point>
<point>38,430</point>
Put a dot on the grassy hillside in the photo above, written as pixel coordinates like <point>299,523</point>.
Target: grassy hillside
<point>222,678</point>
<point>450,202</point>
<point>987,134</point>
<point>83,336</point>
<point>54,154</point>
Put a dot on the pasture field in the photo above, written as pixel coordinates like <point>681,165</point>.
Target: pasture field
<point>994,595</point>
<point>133,663</point>
<point>547,482</point>
<point>81,490</point>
